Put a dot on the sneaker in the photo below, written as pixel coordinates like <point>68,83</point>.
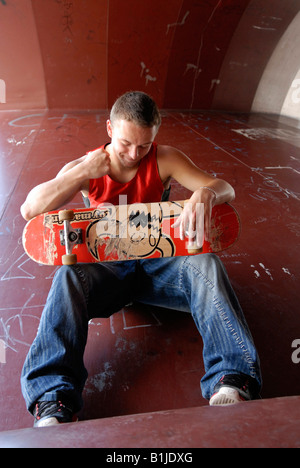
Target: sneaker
<point>51,413</point>
<point>231,389</point>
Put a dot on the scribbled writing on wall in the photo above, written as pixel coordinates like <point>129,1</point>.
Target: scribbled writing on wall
<point>289,135</point>
<point>180,23</point>
<point>270,189</point>
<point>67,21</point>
<point>145,74</point>
<point>33,120</point>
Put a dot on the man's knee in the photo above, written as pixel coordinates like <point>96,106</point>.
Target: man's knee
<point>206,262</point>
<point>206,267</point>
<point>71,279</point>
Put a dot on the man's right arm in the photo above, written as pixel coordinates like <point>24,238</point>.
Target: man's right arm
<point>73,178</point>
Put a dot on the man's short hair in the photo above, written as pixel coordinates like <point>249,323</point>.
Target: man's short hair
<point>137,107</point>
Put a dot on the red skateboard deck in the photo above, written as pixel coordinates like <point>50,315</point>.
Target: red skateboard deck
<point>125,232</point>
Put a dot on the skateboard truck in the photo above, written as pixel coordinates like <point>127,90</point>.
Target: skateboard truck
<point>69,237</point>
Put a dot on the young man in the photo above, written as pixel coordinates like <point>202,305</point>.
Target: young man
<point>132,164</point>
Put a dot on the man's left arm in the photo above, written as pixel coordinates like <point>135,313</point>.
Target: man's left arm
<point>208,191</point>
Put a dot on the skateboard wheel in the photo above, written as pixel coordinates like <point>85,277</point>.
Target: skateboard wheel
<point>66,215</point>
<point>194,251</point>
<point>70,259</point>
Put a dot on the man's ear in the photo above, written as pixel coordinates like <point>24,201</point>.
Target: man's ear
<point>109,128</point>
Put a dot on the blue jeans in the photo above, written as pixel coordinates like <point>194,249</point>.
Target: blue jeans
<point>54,368</point>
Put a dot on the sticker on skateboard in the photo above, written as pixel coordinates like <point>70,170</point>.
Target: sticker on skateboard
<point>124,232</point>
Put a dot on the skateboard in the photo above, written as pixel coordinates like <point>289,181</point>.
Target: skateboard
<point>125,232</point>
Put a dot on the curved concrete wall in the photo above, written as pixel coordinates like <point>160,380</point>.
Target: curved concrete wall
<point>188,54</point>
<point>279,88</point>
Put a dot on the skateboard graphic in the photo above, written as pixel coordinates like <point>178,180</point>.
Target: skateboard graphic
<point>124,232</point>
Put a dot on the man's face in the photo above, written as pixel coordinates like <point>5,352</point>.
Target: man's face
<point>130,142</point>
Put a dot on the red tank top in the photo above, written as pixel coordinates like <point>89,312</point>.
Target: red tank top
<point>145,187</point>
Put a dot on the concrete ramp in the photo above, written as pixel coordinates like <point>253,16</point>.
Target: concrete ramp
<point>257,424</point>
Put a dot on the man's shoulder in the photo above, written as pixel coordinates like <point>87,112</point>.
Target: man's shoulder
<point>170,154</point>
<point>166,151</point>
<point>168,158</point>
